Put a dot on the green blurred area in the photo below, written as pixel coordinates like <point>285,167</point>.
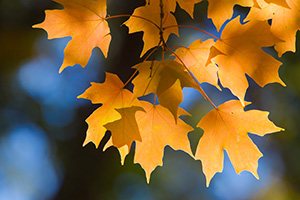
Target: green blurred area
<point>89,173</point>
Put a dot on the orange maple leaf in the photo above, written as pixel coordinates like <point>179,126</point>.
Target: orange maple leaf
<point>84,21</point>
<point>285,22</point>
<point>125,130</point>
<point>147,19</point>
<point>227,128</point>
<point>195,58</point>
<point>221,10</point>
<point>166,79</point>
<point>158,130</point>
<point>239,52</point>
<point>112,95</point>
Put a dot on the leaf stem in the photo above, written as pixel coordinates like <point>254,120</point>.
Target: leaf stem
<point>154,100</point>
<point>195,80</point>
<point>161,28</point>
<point>198,29</point>
<point>131,77</point>
<point>126,15</point>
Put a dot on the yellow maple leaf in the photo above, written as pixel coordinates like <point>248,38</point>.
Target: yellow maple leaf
<point>113,96</point>
<point>158,130</point>
<point>84,21</point>
<point>240,52</point>
<point>285,22</point>
<point>149,22</point>
<point>125,130</point>
<point>227,128</point>
<point>164,79</point>
<point>221,10</point>
<point>195,58</point>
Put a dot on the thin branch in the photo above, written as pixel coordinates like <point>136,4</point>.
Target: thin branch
<point>152,51</point>
<point>131,77</point>
<point>195,80</point>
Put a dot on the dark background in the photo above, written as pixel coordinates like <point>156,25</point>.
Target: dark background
<point>42,123</point>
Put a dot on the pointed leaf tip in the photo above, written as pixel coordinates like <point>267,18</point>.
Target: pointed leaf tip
<point>112,96</point>
<point>125,130</point>
<point>241,45</point>
<point>124,150</point>
<point>159,129</point>
<point>84,22</point>
<point>227,128</point>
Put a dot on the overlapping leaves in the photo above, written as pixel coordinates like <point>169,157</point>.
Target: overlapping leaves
<point>218,61</point>
<point>113,98</point>
<point>239,52</point>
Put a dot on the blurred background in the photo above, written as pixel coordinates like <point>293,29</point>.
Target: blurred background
<point>42,123</point>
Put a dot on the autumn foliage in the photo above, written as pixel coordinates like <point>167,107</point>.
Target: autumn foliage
<point>226,60</point>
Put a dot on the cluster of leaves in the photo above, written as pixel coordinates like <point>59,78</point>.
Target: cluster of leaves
<point>227,59</point>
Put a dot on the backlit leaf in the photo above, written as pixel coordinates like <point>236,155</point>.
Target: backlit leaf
<point>159,130</point>
<point>163,78</point>
<point>84,21</point>
<point>285,22</point>
<point>195,58</point>
<point>221,10</point>
<point>112,95</point>
<point>125,130</point>
<point>151,35</point>
<point>241,53</point>
<point>227,128</point>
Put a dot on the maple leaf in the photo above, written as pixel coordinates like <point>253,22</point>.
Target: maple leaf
<point>159,130</point>
<point>227,128</point>
<point>239,52</point>
<point>113,96</point>
<point>152,127</point>
<point>195,58</point>
<point>148,21</point>
<point>125,130</point>
<point>221,10</point>
<point>84,21</point>
<point>285,22</point>
<point>164,79</point>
